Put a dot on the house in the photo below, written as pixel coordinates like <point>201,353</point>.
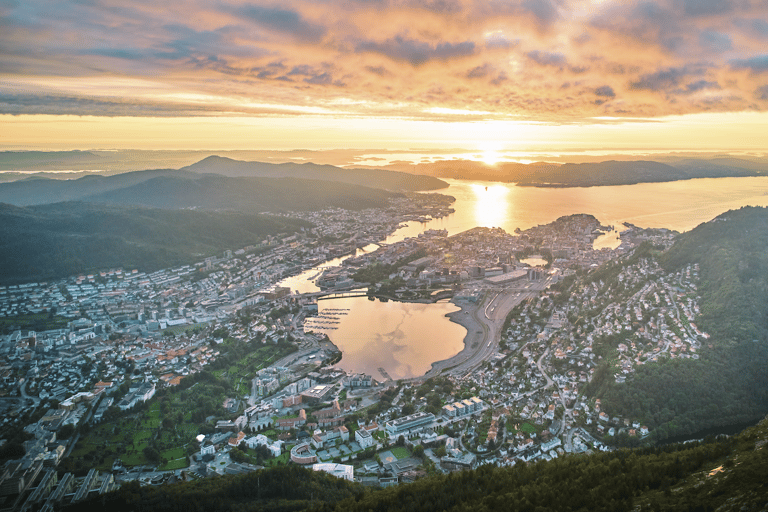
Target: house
<point>364,438</point>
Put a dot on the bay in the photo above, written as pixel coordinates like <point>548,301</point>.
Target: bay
<point>405,338</point>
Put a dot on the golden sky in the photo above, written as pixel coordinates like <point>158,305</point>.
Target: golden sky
<point>491,75</point>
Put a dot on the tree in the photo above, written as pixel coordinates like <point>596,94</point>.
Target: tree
<point>66,431</point>
<point>151,454</point>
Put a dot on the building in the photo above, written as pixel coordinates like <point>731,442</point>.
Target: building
<point>464,461</point>
<point>344,471</point>
<point>358,380</point>
<point>317,394</point>
<point>261,440</point>
<point>364,438</point>
<point>410,423</point>
<point>302,454</point>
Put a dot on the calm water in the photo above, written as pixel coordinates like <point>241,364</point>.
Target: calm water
<point>680,205</point>
<point>405,339</point>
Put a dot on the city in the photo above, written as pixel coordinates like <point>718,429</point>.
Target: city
<point>112,391</point>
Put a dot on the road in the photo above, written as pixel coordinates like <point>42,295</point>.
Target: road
<point>23,390</point>
<point>490,317</point>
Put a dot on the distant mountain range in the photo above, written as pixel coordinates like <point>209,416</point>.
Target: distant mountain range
<point>217,183</point>
<point>375,178</point>
<point>545,174</point>
<point>62,239</point>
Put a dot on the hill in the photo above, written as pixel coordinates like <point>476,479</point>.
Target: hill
<point>215,192</point>
<point>62,239</point>
<point>545,174</point>
<point>724,474</point>
<point>168,188</point>
<point>727,384</point>
<point>375,178</point>
<point>44,190</point>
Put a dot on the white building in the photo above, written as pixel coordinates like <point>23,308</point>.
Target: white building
<point>344,471</point>
<point>364,438</point>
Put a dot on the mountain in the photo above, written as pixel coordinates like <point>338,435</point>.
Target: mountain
<point>375,178</point>
<point>723,474</point>
<point>169,188</point>
<point>727,383</point>
<point>546,174</point>
<point>215,192</point>
<point>62,239</point>
<point>42,190</point>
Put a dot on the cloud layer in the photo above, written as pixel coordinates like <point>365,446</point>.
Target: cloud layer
<point>548,60</point>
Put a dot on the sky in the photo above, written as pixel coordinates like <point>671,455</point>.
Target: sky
<point>487,75</point>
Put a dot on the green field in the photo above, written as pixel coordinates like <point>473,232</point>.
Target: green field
<point>32,322</point>
<point>166,427</point>
<point>400,452</point>
<point>182,329</point>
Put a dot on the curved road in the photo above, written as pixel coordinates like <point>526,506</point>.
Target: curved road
<point>489,317</point>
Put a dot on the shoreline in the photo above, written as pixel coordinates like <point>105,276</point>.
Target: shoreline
<point>465,318</point>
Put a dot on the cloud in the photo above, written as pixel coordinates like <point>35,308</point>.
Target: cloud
<point>379,70</point>
<point>605,91</point>
<point>479,71</point>
<point>547,58</point>
<point>282,20</point>
<point>762,93</point>
<point>386,57</point>
<point>417,52</point>
<point>660,80</point>
<point>758,64</point>
<point>715,41</point>
<point>545,11</point>
<point>706,7</point>
<point>701,85</point>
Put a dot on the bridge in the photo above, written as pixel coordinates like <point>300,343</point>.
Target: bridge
<point>341,295</point>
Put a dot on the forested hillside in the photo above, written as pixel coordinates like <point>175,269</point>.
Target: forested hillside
<point>728,384</point>
<point>214,192</point>
<point>62,239</point>
<point>725,474</point>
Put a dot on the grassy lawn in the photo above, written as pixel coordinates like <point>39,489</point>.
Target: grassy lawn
<point>401,452</point>
<point>284,457</point>
<point>32,321</point>
<point>182,329</point>
<point>181,463</point>
<point>527,428</point>
<point>126,436</point>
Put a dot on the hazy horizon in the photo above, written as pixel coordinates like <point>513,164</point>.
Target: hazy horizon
<point>522,77</point>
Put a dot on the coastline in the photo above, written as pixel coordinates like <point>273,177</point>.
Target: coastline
<point>465,318</point>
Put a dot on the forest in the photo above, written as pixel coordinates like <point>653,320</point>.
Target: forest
<point>728,384</point>
<point>723,473</point>
<point>62,239</point>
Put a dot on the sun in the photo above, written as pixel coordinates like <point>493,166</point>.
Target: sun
<point>491,153</point>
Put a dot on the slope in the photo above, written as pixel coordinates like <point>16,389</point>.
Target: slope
<point>376,178</point>
<point>726,474</point>
<point>215,192</point>
<point>728,383</point>
<point>58,240</point>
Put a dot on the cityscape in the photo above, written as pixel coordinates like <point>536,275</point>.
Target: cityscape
<point>384,255</point>
<point>514,394</point>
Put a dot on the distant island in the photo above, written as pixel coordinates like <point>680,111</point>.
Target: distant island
<point>609,173</point>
